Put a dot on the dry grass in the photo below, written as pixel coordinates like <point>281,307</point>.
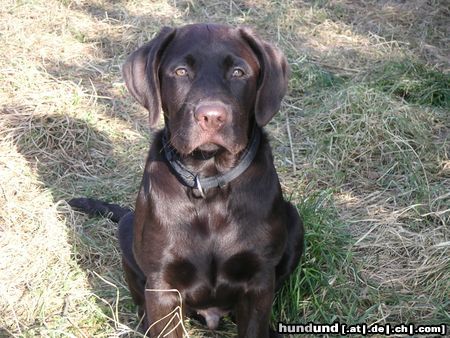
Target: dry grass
<point>361,144</point>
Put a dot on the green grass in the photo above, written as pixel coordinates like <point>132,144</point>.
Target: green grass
<point>413,82</point>
<point>319,290</point>
<point>308,77</point>
<point>362,137</point>
<point>360,129</point>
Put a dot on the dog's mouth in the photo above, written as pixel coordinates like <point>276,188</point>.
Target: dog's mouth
<point>211,141</point>
<point>209,148</point>
<point>188,134</point>
<point>216,147</point>
<point>207,144</point>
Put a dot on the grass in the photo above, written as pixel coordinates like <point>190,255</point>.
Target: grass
<point>385,156</point>
<point>413,82</point>
<point>366,158</point>
<point>318,288</point>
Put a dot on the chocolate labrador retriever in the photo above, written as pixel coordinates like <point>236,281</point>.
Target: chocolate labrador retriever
<point>211,231</point>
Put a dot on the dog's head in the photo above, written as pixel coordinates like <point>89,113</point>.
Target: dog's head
<point>212,82</point>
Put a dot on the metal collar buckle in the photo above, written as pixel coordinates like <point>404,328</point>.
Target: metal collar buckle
<point>198,186</point>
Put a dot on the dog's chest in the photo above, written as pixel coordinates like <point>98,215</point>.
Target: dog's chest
<point>209,278</point>
<point>215,254</point>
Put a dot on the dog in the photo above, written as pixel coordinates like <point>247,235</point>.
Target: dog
<point>211,232</point>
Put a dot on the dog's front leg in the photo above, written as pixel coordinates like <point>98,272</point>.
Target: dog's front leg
<point>253,313</point>
<point>164,313</point>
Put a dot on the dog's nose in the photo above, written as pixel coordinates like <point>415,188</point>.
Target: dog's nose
<point>211,117</point>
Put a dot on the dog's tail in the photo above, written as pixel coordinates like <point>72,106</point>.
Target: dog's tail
<point>95,207</point>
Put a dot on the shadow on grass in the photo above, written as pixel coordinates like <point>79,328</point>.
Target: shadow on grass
<point>73,158</point>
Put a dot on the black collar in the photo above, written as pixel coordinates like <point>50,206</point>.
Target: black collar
<point>203,184</point>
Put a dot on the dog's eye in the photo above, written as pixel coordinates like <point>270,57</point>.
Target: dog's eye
<point>237,72</point>
<point>181,71</point>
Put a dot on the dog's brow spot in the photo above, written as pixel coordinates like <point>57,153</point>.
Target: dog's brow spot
<point>190,60</point>
<point>228,61</point>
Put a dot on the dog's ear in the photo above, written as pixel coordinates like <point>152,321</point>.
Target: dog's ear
<point>273,77</point>
<point>140,72</point>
